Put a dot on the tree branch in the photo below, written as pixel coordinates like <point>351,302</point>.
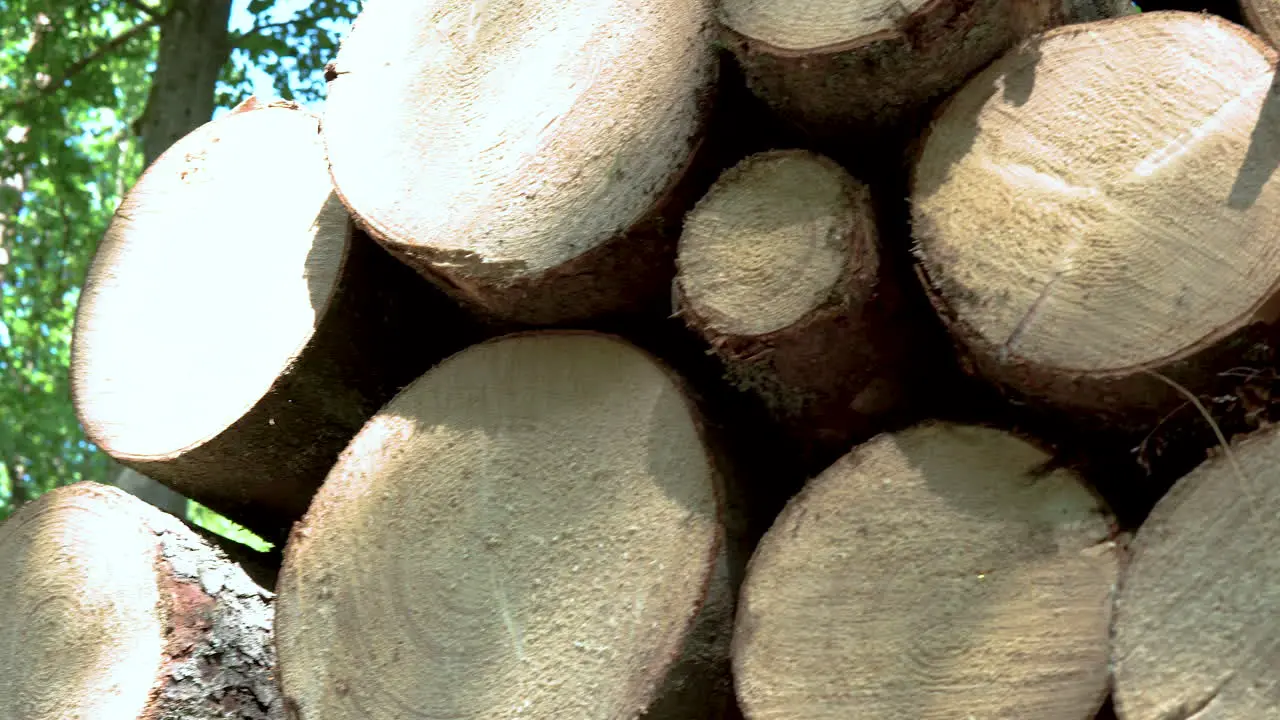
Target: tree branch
<point>266,26</point>
<point>150,12</point>
<point>78,66</point>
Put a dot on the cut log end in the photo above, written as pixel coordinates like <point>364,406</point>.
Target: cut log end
<point>235,331</point>
<point>840,69</point>
<point>769,244</point>
<point>116,610</point>
<point>943,570</point>
<point>563,546</point>
<point>1069,246</point>
<point>1194,631</point>
<point>822,26</point>
<point>778,268</point>
<point>431,159</point>
<point>184,287</point>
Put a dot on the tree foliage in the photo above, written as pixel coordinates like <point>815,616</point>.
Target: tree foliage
<point>74,80</point>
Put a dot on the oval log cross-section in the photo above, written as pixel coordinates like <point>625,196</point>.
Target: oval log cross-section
<point>531,529</point>
<point>1194,633</point>
<point>528,156</point>
<point>234,333</point>
<point>940,572</point>
<point>1097,209</point>
<point>779,271</point>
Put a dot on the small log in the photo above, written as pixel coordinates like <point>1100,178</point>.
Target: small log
<point>114,609</point>
<point>1195,631</point>
<point>838,67</point>
<point>1094,218</point>
<point>533,527</point>
<point>530,158</point>
<point>945,571</point>
<point>779,270</point>
<point>234,333</point>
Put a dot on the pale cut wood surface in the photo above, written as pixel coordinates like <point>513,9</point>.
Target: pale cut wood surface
<point>212,276</point>
<point>1100,201</point>
<point>825,24</point>
<point>940,572</point>
<point>529,528</point>
<point>849,73</point>
<point>1195,633</point>
<point>779,270</point>
<point>768,243</point>
<point>506,148</point>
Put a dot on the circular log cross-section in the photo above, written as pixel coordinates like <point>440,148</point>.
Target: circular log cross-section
<point>836,67</point>
<point>1195,631</point>
<point>1098,208</point>
<point>234,333</point>
<point>114,609</point>
<point>940,572</point>
<point>532,529</point>
<point>779,270</point>
<point>527,156</point>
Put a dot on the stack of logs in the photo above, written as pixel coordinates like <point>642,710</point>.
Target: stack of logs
<point>585,361</point>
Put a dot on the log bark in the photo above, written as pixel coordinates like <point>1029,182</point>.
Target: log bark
<point>563,211</point>
<point>1090,228</point>
<point>779,269</point>
<point>836,68</point>
<point>234,332</point>
<point>943,571</point>
<point>567,557</point>
<point>1194,630</point>
<point>115,609</point>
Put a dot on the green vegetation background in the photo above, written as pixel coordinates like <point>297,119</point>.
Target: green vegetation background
<point>75,80</point>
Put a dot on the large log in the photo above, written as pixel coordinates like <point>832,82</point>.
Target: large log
<point>527,156</point>
<point>114,609</point>
<point>838,68</point>
<point>234,332</point>
<point>1096,214</point>
<point>1195,631</point>
<point>945,571</point>
<point>533,527</point>
<point>779,270</point>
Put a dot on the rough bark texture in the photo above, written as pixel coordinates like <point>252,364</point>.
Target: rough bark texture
<point>582,597</point>
<point>193,48</point>
<point>875,82</point>
<point>211,655</point>
<point>562,213</point>
<point>221,663</point>
<point>944,571</point>
<point>1091,309</point>
<point>1195,632</point>
<point>834,373</point>
<point>376,327</point>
